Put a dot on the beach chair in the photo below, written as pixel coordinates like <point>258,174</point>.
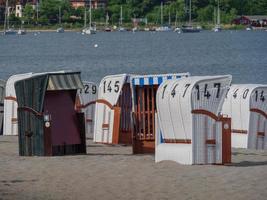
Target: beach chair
<point>189,128</point>
<point>246,104</point>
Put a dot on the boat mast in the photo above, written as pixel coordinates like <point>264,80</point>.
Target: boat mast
<point>59,15</point>
<point>190,12</point>
<point>121,17</point>
<point>107,17</point>
<point>218,13</point>
<point>90,16</point>
<point>6,10</point>
<point>85,17</point>
<point>161,13</point>
<point>169,17</point>
<point>215,16</point>
<point>37,10</point>
<point>176,16</point>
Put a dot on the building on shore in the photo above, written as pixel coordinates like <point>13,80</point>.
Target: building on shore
<point>86,3</point>
<point>254,20</point>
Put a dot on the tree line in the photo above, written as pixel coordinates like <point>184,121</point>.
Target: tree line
<point>173,10</point>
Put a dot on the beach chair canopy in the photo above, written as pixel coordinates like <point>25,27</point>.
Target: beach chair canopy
<point>38,97</point>
<point>31,91</point>
<point>246,104</point>
<point>187,119</point>
<point>155,79</point>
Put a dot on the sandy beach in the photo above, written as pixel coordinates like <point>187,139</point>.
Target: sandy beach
<point>112,172</point>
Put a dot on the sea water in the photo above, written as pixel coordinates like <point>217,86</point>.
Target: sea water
<point>240,53</point>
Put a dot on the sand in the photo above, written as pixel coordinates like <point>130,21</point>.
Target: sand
<point>111,172</point>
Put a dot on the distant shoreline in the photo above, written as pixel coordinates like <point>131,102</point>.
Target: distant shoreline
<point>152,28</point>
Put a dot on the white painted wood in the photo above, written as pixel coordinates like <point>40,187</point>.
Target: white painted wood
<point>180,98</point>
<point>240,100</point>
<point>109,89</point>
<point>86,95</point>
<point>10,106</point>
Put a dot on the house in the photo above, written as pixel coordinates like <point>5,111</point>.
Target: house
<point>255,20</point>
<point>86,3</point>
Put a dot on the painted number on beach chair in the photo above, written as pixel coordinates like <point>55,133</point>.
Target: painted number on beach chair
<point>108,86</point>
<point>261,96</point>
<point>186,87</point>
<point>86,89</point>
<point>173,91</point>
<point>207,94</point>
<point>245,94</point>
<point>235,93</point>
<point>218,86</point>
<point>164,88</point>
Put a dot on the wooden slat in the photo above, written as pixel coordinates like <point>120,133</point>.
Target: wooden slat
<point>79,106</point>
<point>226,140</point>
<point>47,141</point>
<point>153,111</point>
<point>177,141</point>
<point>13,120</point>
<point>116,125</point>
<point>105,126</point>
<point>211,141</point>
<point>239,131</point>
<point>205,112</point>
<point>206,137</point>
<point>139,114</point>
<point>148,112</point>
<point>143,116</point>
<point>103,101</point>
<point>28,109</point>
<point>259,112</point>
<point>261,134</point>
<point>11,98</point>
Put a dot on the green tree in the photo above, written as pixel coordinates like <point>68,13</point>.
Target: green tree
<point>28,13</point>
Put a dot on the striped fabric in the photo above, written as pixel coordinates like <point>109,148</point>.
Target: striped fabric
<point>155,79</point>
<point>68,81</point>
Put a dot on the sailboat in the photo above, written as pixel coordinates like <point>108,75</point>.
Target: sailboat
<point>121,29</point>
<point>60,29</point>
<point>217,27</point>
<point>188,28</point>
<point>163,28</point>
<point>21,31</point>
<point>7,29</point>
<point>89,30</point>
<point>107,28</point>
<point>176,29</point>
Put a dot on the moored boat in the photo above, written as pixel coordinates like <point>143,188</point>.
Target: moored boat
<point>60,29</point>
<point>217,27</point>
<point>190,29</point>
<point>21,31</point>
<point>7,29</point>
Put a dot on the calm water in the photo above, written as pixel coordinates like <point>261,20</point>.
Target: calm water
<point>240,53</point>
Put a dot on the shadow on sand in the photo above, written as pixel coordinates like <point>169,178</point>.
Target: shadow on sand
<point>247,154</point>
<point>108,154</point>
<point>248,164</point>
